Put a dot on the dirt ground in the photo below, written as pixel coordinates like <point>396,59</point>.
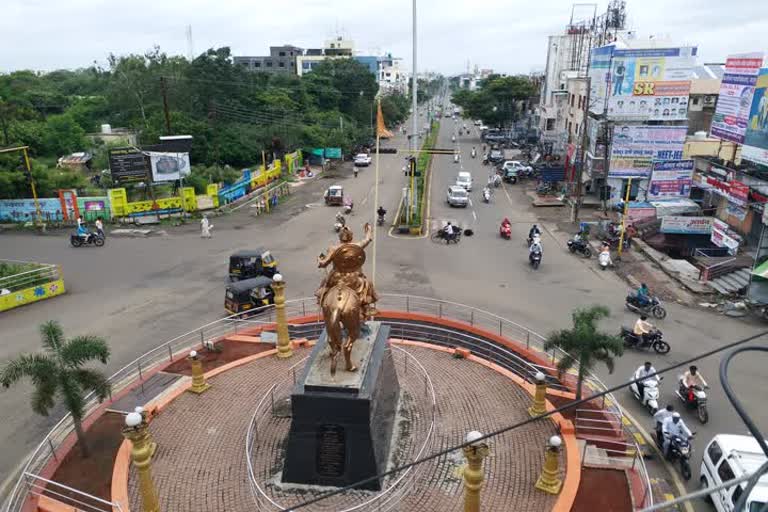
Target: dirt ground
<point>606,490</point>
<point>94,474</point>
<point>230,351</point>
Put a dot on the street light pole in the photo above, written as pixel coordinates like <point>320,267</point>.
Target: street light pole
<point>414,90</point>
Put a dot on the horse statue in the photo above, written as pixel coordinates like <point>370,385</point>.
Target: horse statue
<point>341,311</point>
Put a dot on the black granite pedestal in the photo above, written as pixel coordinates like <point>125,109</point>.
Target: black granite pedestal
<point>341,427</point>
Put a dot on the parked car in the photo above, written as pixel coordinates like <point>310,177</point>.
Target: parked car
<point>362,160</point>
<point>478,123</point>
<point>464,179</point>
<point>496,156</point>
<point>729,456</point>
<point>457,196</point>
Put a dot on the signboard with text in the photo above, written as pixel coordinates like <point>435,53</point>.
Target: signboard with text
<point>735,191</point>
<point>735,98</point>
<point>724,236</point>
<point>755,146</point>
<point>128,164</point>
<point>671,179</point>
<point>635,147</point>
<point>680,225</point>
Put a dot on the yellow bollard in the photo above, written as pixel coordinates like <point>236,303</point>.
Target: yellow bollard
<point>135,431</point>
<point>145,423</point>
<point>549,481</point>
<point>473,471</point>
<point>199,385</point>
<point>540,396</point>
<point>283,339</point>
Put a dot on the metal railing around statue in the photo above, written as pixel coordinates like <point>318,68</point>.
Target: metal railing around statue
<point>179,347</point>
<point>269,426</point>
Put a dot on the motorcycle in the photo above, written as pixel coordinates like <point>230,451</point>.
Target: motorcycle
<point>505,231</point>
<point>486,195</point>
<point>650,398</point>
<point>679,449</point>
<point>474,153</point>
<point>534,258</point>
<point>694,398</point>
<point>380,220</point>
<point>535,239</point>
<point>656,341</point>
<point>340,222</point>
<point>496,181</point>
<point>453,138</point>
<point>653,307</point>
<point>89,239</point>
<point>604,258</point>
<point>348,208</point>
<point>579,246</point>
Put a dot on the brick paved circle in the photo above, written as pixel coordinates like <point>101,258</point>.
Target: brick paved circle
<point>200,462</point>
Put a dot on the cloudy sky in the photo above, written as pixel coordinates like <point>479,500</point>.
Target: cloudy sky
<point>506,35</point>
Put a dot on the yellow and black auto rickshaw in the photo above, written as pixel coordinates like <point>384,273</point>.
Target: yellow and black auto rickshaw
<point>248,294</point>
<point>251,263</point>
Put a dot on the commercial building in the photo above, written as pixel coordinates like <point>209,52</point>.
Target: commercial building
<point>705,87</point>
<point>281,59</point>
<point>334,48</point>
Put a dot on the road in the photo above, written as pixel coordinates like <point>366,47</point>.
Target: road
<point>141,292</point>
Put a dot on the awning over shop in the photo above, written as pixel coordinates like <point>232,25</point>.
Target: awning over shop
<point>680,206</point>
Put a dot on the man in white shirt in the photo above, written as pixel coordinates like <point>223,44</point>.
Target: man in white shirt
<point>659,418</point>
<point>646,372</point>
<point>674,426</point>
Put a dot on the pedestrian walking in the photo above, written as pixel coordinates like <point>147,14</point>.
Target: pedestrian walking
<point>205,227</point>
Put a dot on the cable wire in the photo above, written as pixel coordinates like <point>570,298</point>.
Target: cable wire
<point>508,428</point>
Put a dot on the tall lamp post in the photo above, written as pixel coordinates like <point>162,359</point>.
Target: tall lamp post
<point>414,90</point>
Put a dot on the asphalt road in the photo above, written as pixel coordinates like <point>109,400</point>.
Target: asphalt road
<point>141,292</point>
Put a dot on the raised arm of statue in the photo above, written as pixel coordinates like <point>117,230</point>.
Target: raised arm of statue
<point>325,259</point>
<point>368,236</point>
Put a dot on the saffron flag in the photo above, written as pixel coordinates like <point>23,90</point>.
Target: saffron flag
<point>381,129</point>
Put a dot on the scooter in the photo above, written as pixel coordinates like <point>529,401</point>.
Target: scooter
<point>679,449</point>
<point>505,231</point>
<point>536,239</point>
<point>693,398</point>
<point>486,195</point>
<point>474,153</point>
<point>650,399</point>
<point>340,222</point>
<point>534,258</point>
<point>657,342</point>
<point>380,220</point>
<point>89,239</point>
<point>653,307</point>
<point>348,208</point>
<point>456,158</point>
<point>355,171</point>
<point>579,246</point>
<point>604,258</point>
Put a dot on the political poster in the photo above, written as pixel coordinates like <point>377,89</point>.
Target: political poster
<point>735,98</point>
<point>682,225</point>
<point>671,179</point>
<point>650,84</point>
<point>635,147</point>
<point>168,166</point>
<point>755,146</point>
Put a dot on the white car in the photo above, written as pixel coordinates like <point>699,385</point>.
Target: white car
<point>478,123</point>
<point>362,160</point>
<point>727,457</point>
<point>464,179</point>
<point>516,165</point>
<point>457,196</point>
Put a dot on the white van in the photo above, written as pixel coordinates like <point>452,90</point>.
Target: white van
<point>730,456</point>
<point>464,179</point>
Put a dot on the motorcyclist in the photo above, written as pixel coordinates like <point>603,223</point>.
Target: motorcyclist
<point>474,152</point>
<point>642,329</point>
<point>340,219</point>
<point>692,379</point>
<point>646,372</point>
<point>82,231</point>
<point>448,231</point>
<point>506,223</point>
<point>453,138</point>
<point>605,256</point>
<point>660,416</point>
<point>643,295</point>
<point>486,193</point>
<point>536,247</point>
<point>674,426</point>
<point>381,212</point>
<point>534,231</point>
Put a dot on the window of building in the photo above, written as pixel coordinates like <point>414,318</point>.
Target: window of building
<point>282,64</point>
<point>550,125</point>
<point>281,54</point>
<point>634,191</point>
<point>269,63</point>
<point>695,101</point>
<point>305,65</point>
<point>257,64</point>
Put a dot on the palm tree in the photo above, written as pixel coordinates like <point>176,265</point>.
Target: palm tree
<point>584,344</point>
<point>58,373</point>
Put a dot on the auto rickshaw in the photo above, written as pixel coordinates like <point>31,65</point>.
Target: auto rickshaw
<point>251,263</point>
<point>334,196</point>
<point>248,294</point>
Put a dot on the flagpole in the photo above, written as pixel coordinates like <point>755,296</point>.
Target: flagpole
<point>376,193</point>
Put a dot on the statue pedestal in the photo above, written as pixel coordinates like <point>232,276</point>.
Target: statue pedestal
<point>341,427</point>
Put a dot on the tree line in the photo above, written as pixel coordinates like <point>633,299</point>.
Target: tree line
<point>232,113</point>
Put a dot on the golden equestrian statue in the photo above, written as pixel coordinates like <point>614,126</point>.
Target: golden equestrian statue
<point>346,296</point>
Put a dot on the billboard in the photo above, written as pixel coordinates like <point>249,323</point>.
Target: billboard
<point>735,99</point>
<point>635,147</point>
<point>756,138</point>
<point>168,166</point>
<point>680,225</point>
<point>128,164</point>
<point>671,179</point>
<point>723,236</point>
<point>599,67</point>
<point>650,84</point>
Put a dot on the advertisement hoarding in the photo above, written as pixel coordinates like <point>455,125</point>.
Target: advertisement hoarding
<point>599,68</point>
<point>168,166</point>
<point>128,164</point>
<point>671,179</point>
<point>635,147</point>
<point>735,98</point>
<point>735,191</point>
<point>679,225</point>
<point>755,146</point>
<point>650,84</point>
<point>723,236</point>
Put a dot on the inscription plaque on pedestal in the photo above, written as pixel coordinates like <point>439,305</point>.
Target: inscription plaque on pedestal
<point>341,428</point>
